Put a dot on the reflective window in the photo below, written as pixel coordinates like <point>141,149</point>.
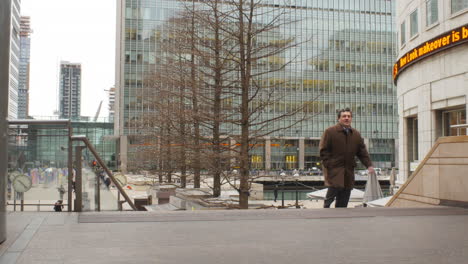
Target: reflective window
<point>414,23</point>
<point>412,139</point>
<point>458,5</point>
<point>432,12</point>
<point>342,57</point>
<point>403,33</point>
<point>451,118</point>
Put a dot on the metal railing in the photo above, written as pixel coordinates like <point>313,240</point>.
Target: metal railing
<point>459,126</point>
<point>103,165</point>
<point>22,204</point>
<point>66,124</point>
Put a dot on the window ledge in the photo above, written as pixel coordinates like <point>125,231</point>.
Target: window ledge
<point>433,25</point>
<point>458,13</point>
<point>414,37</point>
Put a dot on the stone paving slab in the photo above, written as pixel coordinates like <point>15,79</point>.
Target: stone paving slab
<point>360,235</point>
<point>15,226</point>
<point>272,214</point>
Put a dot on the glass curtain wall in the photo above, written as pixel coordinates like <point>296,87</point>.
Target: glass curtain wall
<point>257,155</point>
<point>40,152</point>
<point>343,58</point>
<point>284,154</point>
<point>311,153</point>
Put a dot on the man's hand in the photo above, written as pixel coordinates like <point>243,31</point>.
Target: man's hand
<point>371,170</point>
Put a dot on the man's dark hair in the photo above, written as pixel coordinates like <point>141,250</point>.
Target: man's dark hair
<point>347,109</point>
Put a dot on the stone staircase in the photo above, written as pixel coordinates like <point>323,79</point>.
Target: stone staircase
<point>441,179</point>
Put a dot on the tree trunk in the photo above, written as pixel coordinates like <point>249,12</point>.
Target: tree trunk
<point>183,156</point>
<point>217,106</point>
<point>168,156</point>
<point>244,64</point>
<point>196,121</point>
<point>160,159</point>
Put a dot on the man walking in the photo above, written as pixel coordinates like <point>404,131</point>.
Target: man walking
<point>338,147</point>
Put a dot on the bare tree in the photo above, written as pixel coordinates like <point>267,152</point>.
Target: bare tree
<point>175,89</point>
<point>221,66</point>
<point>251,25</point>
<point>215,70</point>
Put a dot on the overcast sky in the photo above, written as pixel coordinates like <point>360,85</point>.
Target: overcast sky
<point>81,31</point>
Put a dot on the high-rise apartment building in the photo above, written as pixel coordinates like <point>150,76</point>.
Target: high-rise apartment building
<point>25,51</point>
<point>14,60</point>
<point>70,90</point>
<point>343,58</point>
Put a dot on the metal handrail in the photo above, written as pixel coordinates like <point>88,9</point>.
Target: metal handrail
<point>21,205</point>
<point>39,122</point>
<point>459,126</point>
<point>103,165</point>
<point>34,204</point>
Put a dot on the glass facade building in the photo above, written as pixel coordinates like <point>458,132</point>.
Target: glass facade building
<point>14,60</point>
<point>39,150</point>
<point>25,51</point>
<point>343,58</point>
<point>45,145</point>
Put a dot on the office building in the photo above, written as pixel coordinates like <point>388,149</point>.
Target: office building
<point>343,58</point>
<point>5,13</point>
<point>25,51</point>
<point>14,60</point>
<point>70,90</point>
<point>431,74</point>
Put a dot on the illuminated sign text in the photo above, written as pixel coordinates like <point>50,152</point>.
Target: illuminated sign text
<point>447,40</point>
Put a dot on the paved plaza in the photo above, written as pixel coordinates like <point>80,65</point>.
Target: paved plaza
<point>357,235</point>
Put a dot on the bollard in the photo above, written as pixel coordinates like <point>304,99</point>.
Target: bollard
<point>282,197</point>
<point>297,196</point>
<point>22,202</point>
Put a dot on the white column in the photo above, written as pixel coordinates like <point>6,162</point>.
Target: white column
<point>402,145</point>
<point>123,153</point>
<point>425,126</point>
<point>301,153</point>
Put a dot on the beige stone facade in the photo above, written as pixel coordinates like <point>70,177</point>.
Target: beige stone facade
<point>433,89</point>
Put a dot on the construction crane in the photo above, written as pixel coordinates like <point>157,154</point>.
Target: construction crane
<point>98,111</point>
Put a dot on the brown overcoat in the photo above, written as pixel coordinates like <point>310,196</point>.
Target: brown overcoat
<point>337,152</point>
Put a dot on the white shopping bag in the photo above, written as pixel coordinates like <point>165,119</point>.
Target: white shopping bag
<point>373,190</point>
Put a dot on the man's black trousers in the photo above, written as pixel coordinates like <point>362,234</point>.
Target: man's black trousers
<point>342,197</point>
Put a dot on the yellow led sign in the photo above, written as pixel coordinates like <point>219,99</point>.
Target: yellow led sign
<point>444,41</point>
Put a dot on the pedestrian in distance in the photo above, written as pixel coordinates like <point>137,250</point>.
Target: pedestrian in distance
<point>61,191</point>
<point>107,182</point>
<point>339,146</point>
<point>275,192</point>
<point>73,178</point>
<point>58,206</point>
